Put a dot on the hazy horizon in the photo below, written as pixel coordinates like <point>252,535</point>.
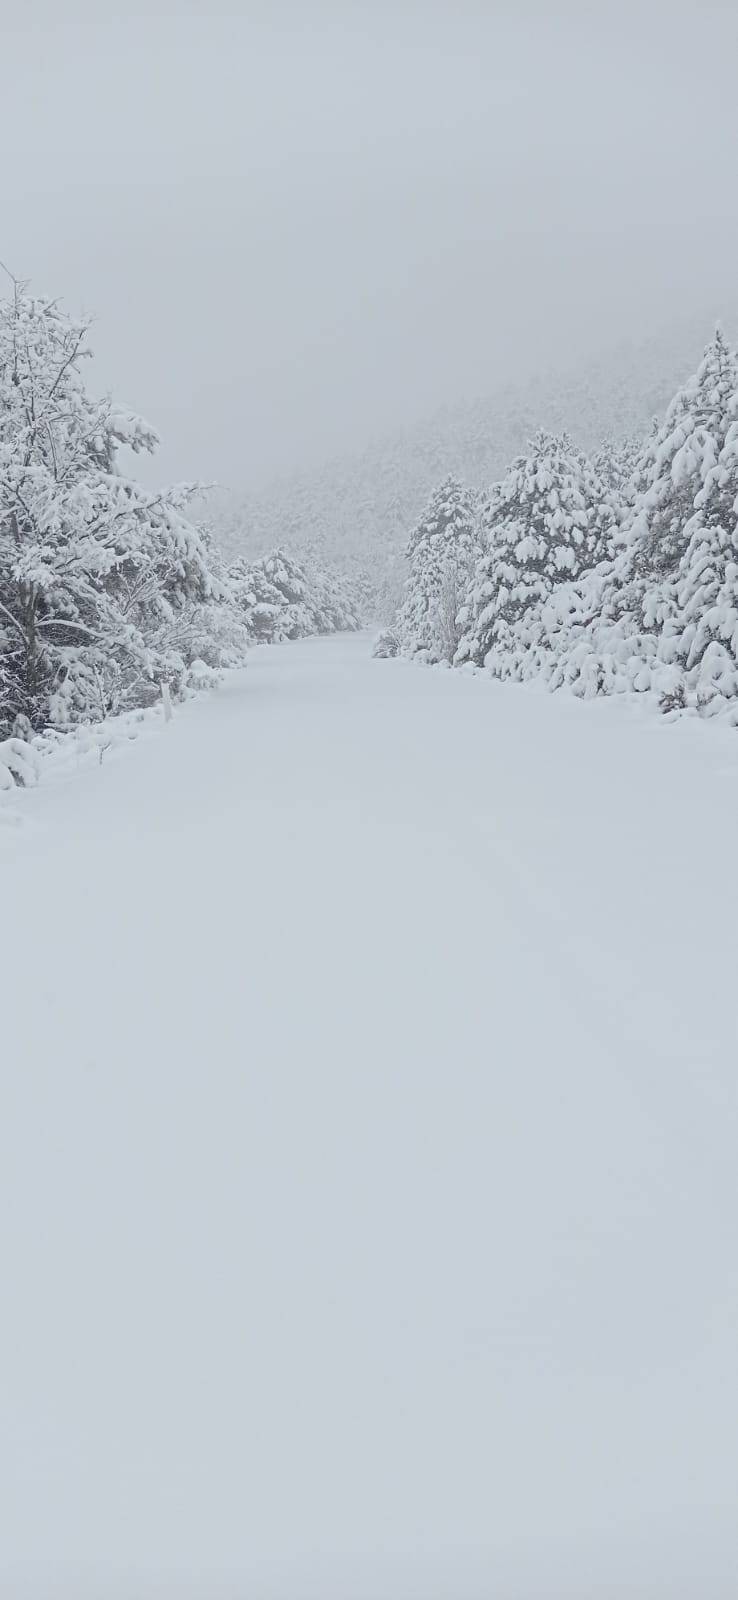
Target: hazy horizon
<point>298,229</point>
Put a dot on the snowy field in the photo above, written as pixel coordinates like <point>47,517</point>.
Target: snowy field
<point>368,1150</point>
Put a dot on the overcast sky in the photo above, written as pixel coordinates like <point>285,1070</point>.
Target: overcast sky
<point>298,225</point>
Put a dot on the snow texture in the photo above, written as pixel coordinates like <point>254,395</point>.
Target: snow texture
<point>367,1154</point>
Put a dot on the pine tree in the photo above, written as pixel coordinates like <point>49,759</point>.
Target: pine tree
<point>656,619</point>
<point>545,523</point>
<point>677,460</point>
<point>281,598</point>
<point>615,464</point>
<point>442,550</point>
<point>700,601</point>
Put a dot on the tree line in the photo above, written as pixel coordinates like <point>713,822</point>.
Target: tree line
<point>111,594</point>
<point>610,573</point>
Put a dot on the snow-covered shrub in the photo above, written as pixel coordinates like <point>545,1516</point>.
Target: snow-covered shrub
<point>102,581</point>
<point>441,554</point>
<point>546,523</point>
<point>19,763</point>
<point>386,644</point>
<point>280,599</point>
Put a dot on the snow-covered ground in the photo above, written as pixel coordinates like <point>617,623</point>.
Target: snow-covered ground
<point>369,1150</point>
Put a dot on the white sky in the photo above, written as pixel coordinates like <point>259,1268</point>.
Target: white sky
<point>298,225</point>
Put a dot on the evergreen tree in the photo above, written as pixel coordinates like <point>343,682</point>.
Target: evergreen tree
<point>699,605</point>
<point>656,620</point>
<point>280,598</point>
<point>442,551</point>
<point>615,464</point>
<point>677,459</point>
<point>545,523</point>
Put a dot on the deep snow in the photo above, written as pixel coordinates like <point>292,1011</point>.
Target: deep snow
<point>368,1149</point>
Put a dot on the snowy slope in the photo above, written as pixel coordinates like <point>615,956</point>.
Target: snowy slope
<point>357,510</point>
<point>367,1153</point>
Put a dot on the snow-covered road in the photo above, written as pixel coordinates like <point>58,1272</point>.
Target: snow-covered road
<point>369,1150</point>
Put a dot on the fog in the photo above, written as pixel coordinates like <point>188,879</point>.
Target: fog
<point>367,1144</point>
<point>299,225</point>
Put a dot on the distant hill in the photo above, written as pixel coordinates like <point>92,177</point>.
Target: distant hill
<point>356,510</point>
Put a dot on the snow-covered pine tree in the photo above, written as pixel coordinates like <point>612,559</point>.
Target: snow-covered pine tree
<point>677,459</point>
<point>442,551</point>
<point>647,629</point>
<point>98,576</point>
<point>557,624</point>
<point>271,593</point>
<point>335,601</point>
<point>546,523</point>
<point>615,464</point>
<point>280,599</point>
<point>699,603</point>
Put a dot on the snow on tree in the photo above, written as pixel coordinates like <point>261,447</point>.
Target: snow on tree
<point>385,645</point>
<point>280,599</point>
<point>546,523</point>
<point>270,593</point>
<point>663,617</point>
<point>100,578</point>
<point>699,605</point>
<point>19,763</point>
<point>442,550</point>
<point>615,464</point>
<point>357,510</point>
<point>335,602</point>
<point>678,458</point>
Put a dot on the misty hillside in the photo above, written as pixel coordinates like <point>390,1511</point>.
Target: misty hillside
<point>356,510</point>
